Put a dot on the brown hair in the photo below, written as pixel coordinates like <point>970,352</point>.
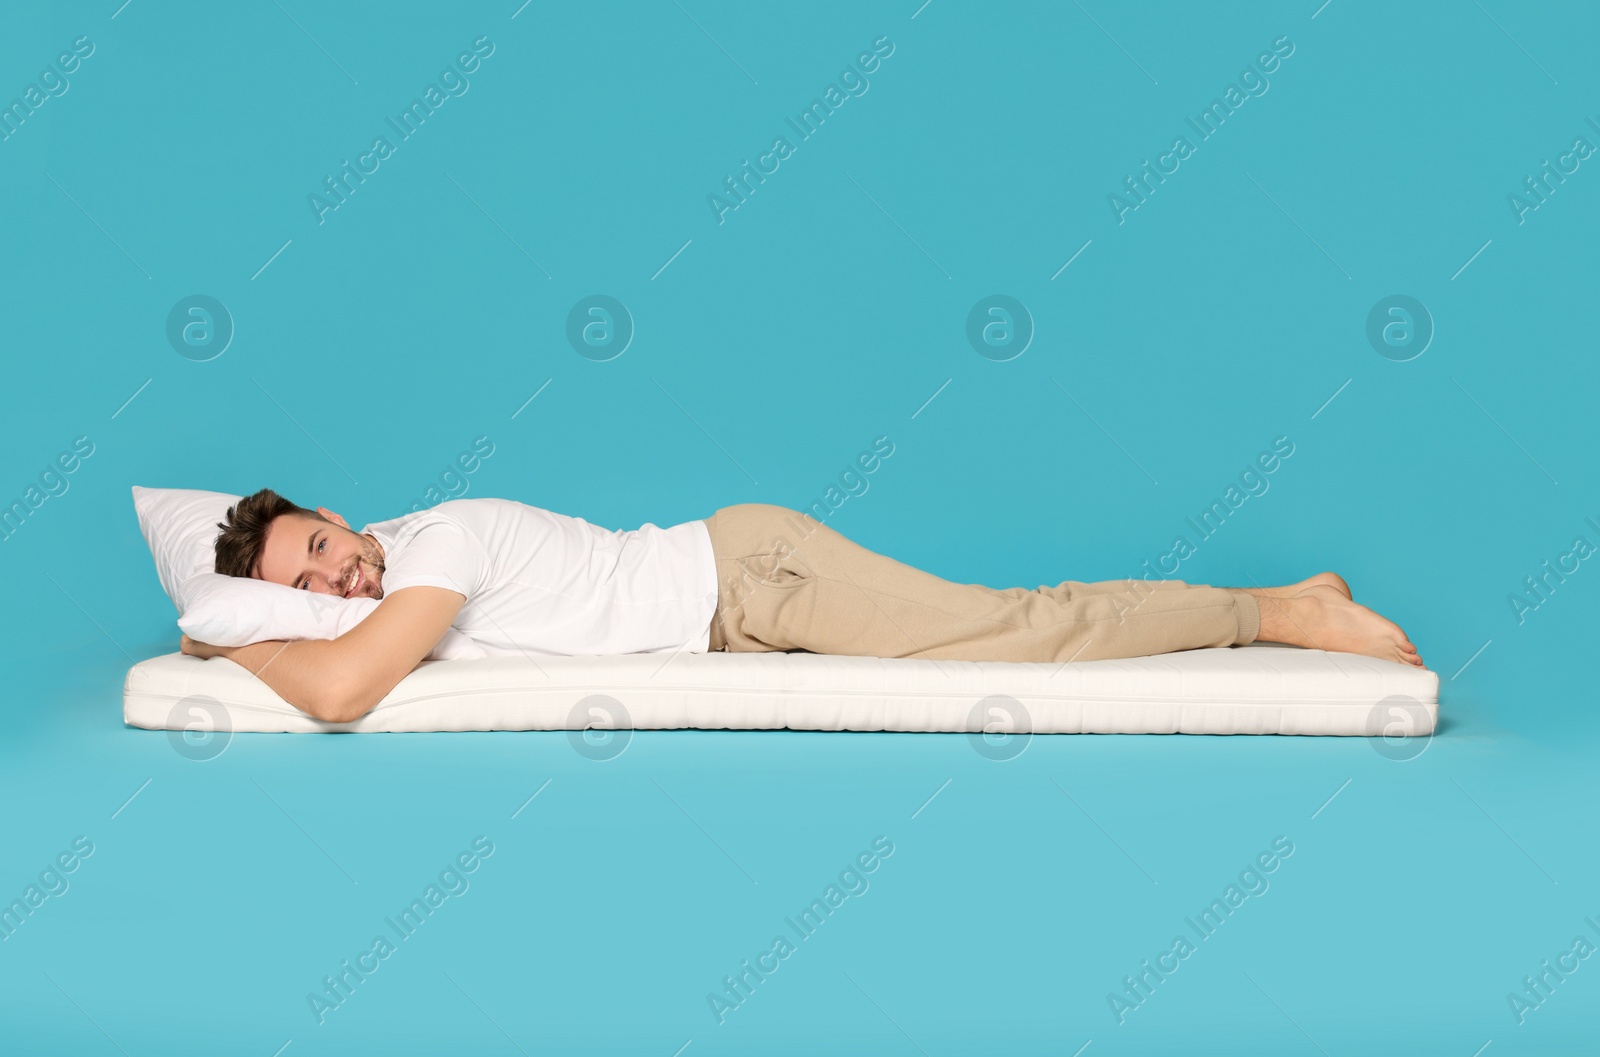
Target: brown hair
<point>244,533</point>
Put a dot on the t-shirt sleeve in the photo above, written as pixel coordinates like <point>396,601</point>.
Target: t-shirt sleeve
<point>440,553</point>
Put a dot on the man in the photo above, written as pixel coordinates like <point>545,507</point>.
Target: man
<point>751,578</point>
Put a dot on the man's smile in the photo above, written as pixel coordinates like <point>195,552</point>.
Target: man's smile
<point>354,581</point>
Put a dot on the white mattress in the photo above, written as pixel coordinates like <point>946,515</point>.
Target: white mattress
<point>1256,689</point>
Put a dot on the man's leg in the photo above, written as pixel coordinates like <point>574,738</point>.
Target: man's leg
<point>1094,587</point>
<point>787,581</point>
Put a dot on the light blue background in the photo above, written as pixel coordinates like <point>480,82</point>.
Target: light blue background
<point>826,311</point>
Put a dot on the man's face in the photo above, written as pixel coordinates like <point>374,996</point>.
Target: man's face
<point>325,557</point>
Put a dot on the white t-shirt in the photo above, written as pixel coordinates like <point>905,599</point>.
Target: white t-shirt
<point>538,582</point>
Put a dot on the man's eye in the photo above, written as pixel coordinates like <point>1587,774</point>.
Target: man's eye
<point>305,585</point>
<point>320,544</point>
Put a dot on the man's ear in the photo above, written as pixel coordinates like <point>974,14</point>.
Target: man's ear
<point>325,513</point>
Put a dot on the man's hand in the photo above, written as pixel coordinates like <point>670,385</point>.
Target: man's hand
<point>253,658</point>
<point>203,650</point>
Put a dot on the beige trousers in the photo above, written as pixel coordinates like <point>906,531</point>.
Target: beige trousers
<point>786,581</point>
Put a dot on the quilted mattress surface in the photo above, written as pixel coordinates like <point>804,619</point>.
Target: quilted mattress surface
<point>1256,689</point>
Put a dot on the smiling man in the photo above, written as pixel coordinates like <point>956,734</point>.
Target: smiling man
<point>753,577</point>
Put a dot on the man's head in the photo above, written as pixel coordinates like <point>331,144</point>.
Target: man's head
<point>266,537</point>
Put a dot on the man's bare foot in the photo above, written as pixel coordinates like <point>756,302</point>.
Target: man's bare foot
<point>1322,618</point>
<point>1333,580</point>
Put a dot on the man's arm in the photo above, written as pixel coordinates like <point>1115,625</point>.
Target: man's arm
<point>339,680</point>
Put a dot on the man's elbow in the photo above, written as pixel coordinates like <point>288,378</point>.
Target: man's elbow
<point>341,703</point>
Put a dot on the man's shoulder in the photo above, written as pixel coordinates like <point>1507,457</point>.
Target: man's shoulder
<point>450,509</point>
<point>480,510</point>
<point>465,508</point>
<point>468,514</point>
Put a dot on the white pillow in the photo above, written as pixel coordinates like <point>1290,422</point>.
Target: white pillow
<point>180,526</point>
